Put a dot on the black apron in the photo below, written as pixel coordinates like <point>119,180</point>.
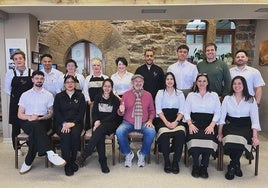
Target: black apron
<point>19,84</point>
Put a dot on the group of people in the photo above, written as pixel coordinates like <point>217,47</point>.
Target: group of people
<point>194,105</point>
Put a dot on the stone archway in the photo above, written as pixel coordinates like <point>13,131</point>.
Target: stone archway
<point>64,34</point>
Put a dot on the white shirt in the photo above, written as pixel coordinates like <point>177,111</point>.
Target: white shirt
<point>36,102</point>
<point>185,74</point>
<point>122,84</point>
<point>53,81</point>
<point>85,88</point>
<point>210,103</point>
<point>164,100</point>
<point>243,109</point>
<point>9,76</point>
<point>252,76</point>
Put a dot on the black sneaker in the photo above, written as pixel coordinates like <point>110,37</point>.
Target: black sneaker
<point>104,167</point>
<point>75,167</point>
<point>238,171</point>
<point>167,167</point>
<point>68,170</point>
<point>175,167</point>
<point>230,173</point>
<point>195,171</point>
<point>249,155</point>
<point>203,172</point>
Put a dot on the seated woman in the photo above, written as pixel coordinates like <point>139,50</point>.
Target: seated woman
<point>169,104</point>
<point>69,109</point>
<point>239,124</point>
<point>201,112</point>
<point>105,122</point>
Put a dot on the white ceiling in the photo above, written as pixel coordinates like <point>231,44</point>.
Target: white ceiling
<point>246,11</point>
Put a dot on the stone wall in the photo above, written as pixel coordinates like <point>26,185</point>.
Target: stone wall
<point>130,39</point>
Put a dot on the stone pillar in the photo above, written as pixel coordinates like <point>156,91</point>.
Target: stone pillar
<point>211,31</point>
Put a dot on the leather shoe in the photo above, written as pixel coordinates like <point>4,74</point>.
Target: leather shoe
<point>175,168</point>
<point>167,167</point>
<point>238,171</point>
<point>104,167</point>
<point>68,170</point>
<point>203,172</point>
<point>195,171</point>
<point>230,173</point>
<point>75,167</point>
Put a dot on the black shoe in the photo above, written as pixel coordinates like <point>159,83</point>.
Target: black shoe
<point>249,155</point>
<point>167,167</point>
<point>68,170</point>
<point>75,167</point>
<point>104,167</point>
<point>238,171</point>
<point>230,173</point>
<point>81,161</point>
<point>175,168</point>
<point>195,171</point>
<point>203,172</point>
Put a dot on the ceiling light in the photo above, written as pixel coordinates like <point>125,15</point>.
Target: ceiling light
<point>262,10</point>
<point>153,11</point>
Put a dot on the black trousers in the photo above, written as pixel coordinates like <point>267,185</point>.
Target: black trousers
<point>70,143</point>
<point>98,140</point>
<point>204,154</point>
<point>235,155</point>
<point>39,141</point>
<point>178,140</point>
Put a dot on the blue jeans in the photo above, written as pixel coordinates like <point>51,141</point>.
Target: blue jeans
<point>122,137</point>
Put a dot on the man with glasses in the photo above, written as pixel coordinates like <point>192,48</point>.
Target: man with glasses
<point>217,71</point>
<point>153,74</point>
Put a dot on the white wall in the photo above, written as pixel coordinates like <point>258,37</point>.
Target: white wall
<point>261,35</point>
<point>15,26</point>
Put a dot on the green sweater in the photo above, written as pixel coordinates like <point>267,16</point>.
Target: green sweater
<point>218,75</point>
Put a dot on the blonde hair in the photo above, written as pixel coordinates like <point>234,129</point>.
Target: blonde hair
<point>95,60</point>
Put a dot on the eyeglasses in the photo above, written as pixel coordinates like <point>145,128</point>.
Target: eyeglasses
<point>69,82</point>
<point>149,55</point>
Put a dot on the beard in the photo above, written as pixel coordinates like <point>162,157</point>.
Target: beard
<point>240,64</point>
<point>38,84</point>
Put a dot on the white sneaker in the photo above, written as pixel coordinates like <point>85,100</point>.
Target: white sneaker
<point>56,159</point>
<point>141,159</point>
<point>128,159</point>
<point>25,168</point>
<point>20,153</point>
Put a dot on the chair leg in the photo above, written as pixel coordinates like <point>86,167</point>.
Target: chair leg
<point>156,153</point>
<point>46,161</point>
<point>220,157</point>
<point>16,152</point>
<point>257,161</point>
<point>186,156</point>
<point>113,150</point>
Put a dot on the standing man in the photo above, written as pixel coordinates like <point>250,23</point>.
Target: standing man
<point>153,74</point>
<point>217,71</point>
<point>185,72</point>
<point>53,76</point>
<point>35,112</point>
<point>17,81</point>
<point>253,76</point>
<point>137,109</point>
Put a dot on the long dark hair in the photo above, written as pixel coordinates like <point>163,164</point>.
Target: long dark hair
<point>196,89</point>
<point>245,92</point>
<point>175,83</point>
<point>112,96</point>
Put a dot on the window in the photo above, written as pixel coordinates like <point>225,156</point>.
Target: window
<point>195,36</point>
<point>225,35</point>
<point>82,52</point>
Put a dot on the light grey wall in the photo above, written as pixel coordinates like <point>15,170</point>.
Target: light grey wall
<point>261,35</point>
<point>16,26</point>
